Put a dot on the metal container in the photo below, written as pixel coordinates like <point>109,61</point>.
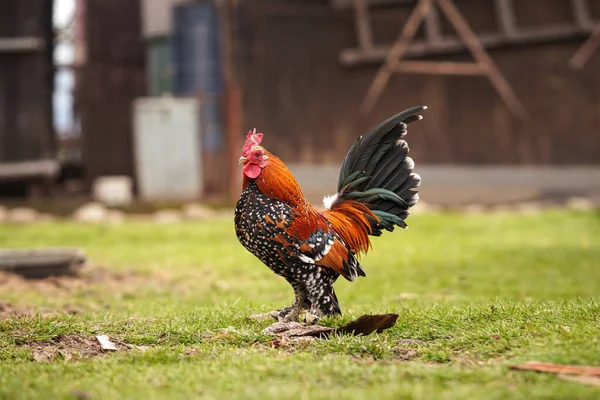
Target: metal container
<point>167,148</point>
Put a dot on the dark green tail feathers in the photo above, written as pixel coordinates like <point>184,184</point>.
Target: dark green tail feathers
<point>377,171</point>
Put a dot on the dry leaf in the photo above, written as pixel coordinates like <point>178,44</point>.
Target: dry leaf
<point>585,379</point>
<point>105,343</point>
<point>364,325</point>
<point>558,368</point>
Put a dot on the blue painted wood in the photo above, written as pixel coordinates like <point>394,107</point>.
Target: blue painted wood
<point>197,70</point>
<point>196,50</point>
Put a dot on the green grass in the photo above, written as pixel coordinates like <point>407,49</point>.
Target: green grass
<point>482,292</point>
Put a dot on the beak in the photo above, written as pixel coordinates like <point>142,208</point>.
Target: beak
<point>242,160</point>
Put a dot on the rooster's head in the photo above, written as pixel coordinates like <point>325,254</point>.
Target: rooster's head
<point>254,156</point>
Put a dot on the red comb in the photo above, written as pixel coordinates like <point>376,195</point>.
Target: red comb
<point>252,139</point>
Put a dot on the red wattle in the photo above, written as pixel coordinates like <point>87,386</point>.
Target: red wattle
<point>251,170</point>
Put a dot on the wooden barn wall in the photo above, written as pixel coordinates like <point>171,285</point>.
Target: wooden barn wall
<point>26,82</point>
<point>111,77</point>
<point>296,92</point>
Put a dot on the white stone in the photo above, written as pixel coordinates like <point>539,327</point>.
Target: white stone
<point>197,211</point>
<point>528,207</point>
<point>167,216</point>
<point>91,212</point>
<point>501,209</point>
<point>113,190</point>
<point>473,209</point>
<point>115,217</point>
<point>22,215</point>
<point>580,203</point>
<point>45,217</point>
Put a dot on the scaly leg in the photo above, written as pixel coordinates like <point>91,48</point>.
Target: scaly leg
<point>294,313</point>
<point>300,303</point>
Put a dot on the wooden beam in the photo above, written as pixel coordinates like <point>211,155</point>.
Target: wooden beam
<point>447,46</point>
<point>341,5</point>
<point>506,17</point>
<point>18,44</point>
<point>43,262</point>
<point>394,54</point>
<point>363,24</point>
<point>481,56</point>
<point>582,56</point>
<point>484,63</point>
<point>28,169</point>
<point>440,68</point>
<point>581,12</point>
<point>433,30</point>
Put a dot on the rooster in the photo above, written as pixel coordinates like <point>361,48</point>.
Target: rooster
<point>312,247</point>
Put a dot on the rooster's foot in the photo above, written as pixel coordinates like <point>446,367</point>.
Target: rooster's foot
<point>281,314</point>
<point>292,316</point>
<point>310,318</point>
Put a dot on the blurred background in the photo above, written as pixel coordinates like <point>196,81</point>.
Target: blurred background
<point>149,100</point>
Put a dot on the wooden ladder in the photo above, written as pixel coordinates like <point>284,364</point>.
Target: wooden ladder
<point>434,43</point>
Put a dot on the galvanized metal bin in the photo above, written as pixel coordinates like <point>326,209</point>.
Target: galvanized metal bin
<point>167,148</point>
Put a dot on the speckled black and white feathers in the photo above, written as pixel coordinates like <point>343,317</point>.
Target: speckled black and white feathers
<point>262,226</point>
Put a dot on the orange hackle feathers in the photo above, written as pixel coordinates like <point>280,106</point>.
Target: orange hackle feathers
<point>350,222</point>
<point>276,180</point>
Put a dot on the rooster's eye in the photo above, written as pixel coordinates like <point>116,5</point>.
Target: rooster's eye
<point>257,153</point>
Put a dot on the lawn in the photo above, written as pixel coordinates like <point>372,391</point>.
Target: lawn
<point>475,294</point>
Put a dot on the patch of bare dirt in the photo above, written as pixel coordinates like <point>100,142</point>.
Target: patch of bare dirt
<point>116,282</point>
<point>404,354</point>
<point>76,347</point>
<point>10,310</point>
<point>290,343</point>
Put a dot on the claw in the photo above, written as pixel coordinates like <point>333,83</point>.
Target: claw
<point>311,319</point>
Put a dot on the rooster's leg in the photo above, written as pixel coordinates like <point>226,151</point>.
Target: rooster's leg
<point>322,296</point>
<point>292,313</point>
<point>300,303</point>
